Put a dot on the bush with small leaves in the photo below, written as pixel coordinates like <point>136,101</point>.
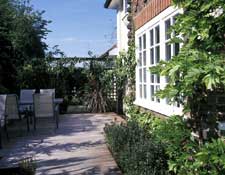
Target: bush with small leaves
<point>135,150</point>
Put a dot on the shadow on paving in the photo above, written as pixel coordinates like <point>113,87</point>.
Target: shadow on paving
<point>77,147</point>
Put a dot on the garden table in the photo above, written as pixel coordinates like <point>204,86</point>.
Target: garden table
<point>29,111</point>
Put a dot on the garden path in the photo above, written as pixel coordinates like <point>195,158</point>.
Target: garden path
<point>76,148</point>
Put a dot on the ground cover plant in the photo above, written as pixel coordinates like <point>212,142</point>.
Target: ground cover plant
<point>145,137</point>
<point>134,149</point>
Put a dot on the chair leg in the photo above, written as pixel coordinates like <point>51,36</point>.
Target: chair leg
<point>27,117</point>
<point>6,131</point>
<point>57,121</point>
<point>34,120</point>
<point>0,135</point>
<point>5,128</point>
<point>56,117</point>
<point>31,119</point>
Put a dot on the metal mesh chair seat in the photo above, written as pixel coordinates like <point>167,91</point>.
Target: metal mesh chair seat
<point>44,107</point>
<point>26,96</point>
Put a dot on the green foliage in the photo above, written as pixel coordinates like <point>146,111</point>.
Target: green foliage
<point>184,156</point>
<point>28,166</point>
<point>173,133</point>
<point>134,149</point>
<point>100,84</point>
<point>207,159</point>
<point>200,64</point>
<point>36,74</point>
<point>22,30</point>
<point>131,144</point>
<point>199,69</point>
<point>124,71</point>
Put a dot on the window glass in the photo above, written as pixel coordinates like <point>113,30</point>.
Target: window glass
<point>140,59</point>
<point>145,91</point>
<point>167,27</point>
<point>168,51</point>
<point>144,58</point>
<point>140,75</point>
<point>157,35</point>
<point>144,41</point>
<point>158,78</point>
<point>152,78</point>
<point>157,89</point>
<point>144,76</point>
<point>140,91</point>
<point>151,37</point>
<point>157,54</point>
<point>176,48</point>
<point>140,43</point>
<point>152,56</point>
<point>152,92</point>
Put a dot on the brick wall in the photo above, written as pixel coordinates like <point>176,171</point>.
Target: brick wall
<point>145,10</point>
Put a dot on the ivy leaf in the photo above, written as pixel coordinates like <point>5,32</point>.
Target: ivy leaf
<point>209,81</point>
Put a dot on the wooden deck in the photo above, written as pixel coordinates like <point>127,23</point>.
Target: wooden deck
<point>76,148</point>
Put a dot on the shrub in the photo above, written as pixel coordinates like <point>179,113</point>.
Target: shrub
<point>209,159</point>
<point>135,150</point>
<point>116,137</point>
<point>147,144</point>
<point>173,133</point>
<point>144,157</point>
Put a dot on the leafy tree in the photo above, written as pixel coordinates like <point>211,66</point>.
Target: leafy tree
<point>198,70</point>
<point>22,30</point>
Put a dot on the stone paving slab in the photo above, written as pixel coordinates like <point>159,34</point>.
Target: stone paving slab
<point>76,148</point>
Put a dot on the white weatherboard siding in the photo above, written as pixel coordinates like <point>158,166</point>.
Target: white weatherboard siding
<point>148,54</point>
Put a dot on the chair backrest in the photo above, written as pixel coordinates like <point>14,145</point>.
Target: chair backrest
<point>2,108</point>
<point>48,91</point>
<point>11,107</point>
<point>43,105</point>
<point>26,95</point>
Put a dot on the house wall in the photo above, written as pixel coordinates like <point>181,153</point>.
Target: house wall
<point>122,31</point>
<point>145,10</point>
<point>150,18</point>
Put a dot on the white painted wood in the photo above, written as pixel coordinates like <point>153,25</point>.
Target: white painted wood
<point>160,19</point>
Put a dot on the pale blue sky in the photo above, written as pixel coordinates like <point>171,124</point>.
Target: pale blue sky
<point>79,25</point>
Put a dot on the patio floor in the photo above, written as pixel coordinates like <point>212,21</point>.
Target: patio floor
<point>77,147</point>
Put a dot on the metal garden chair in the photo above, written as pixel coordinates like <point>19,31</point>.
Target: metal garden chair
<point>2,115</point>
<point>12,112</point>
<point>48,91</point>
<point>44,107</point>
<point>26,96</point>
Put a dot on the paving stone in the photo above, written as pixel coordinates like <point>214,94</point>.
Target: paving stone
<point>76,148</point>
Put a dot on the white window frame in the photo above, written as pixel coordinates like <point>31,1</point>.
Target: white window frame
<point>158,106</point>
<point>172,47</point>
<point>142,66</point>
<point>154,60</point>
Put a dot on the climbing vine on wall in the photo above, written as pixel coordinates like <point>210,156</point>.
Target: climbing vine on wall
<point>124,72</point>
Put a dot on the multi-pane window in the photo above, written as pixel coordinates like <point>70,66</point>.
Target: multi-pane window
<point>152,47</point>
<point>154,34</point>
<point>142,68</point>
<point>170,49</point>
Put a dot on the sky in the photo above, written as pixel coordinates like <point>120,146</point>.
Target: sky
<point>79,26</point>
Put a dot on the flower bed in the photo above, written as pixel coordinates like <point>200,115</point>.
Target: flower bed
<point>149,145</point>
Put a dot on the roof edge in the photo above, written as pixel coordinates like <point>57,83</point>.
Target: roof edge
<point>107,3</point>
